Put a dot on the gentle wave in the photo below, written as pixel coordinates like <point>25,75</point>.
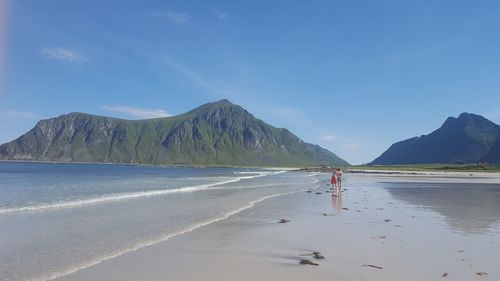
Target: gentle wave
<point>124,196</point>
<point>159,239</point>
<point>258,172</point>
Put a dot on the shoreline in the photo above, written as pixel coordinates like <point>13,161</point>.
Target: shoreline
<point>147,244</point>
<point>423,172</point>
<point>193,166</point>
<point>411,170</point>
<point>365,234</point>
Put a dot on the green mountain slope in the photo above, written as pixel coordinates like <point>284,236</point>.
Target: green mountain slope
<point>493,155</point>
<point>470,138</point>
<point>219,133</point>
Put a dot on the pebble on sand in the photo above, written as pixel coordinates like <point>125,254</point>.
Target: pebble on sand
<point>318,256</point>
<point>307,262</point>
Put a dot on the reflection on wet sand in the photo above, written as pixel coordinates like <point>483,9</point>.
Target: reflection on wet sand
<point>467,207</point>
<point>337,201</point>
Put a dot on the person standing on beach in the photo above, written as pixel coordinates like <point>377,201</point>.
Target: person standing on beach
<point>338,174</point>
<point>334,182</point>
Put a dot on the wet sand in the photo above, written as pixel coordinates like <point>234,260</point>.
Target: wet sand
<point>381,228</point>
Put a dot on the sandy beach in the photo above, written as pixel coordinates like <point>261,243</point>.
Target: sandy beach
<point>383,227</point>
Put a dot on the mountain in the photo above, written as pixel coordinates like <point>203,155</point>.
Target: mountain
<point>470,138</point>
<point>493,155</point>
<point>219,133</point>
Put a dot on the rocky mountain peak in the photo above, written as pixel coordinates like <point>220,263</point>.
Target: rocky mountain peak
<point>468,138</point>
<point>217,133</point>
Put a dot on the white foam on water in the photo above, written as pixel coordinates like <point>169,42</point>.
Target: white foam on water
<point>127,196</point>
<point>165,237</point>
<point>258,172</point>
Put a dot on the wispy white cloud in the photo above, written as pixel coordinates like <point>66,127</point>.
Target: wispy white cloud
<point>221,15</point>
<point>336,140</point>
<point>175,17</point>
<point>220,89</point>
<point>64,54</point>
<point>19,114</point>
<point>282,114</point>
<point>135,112</point>
<point>327,137</point>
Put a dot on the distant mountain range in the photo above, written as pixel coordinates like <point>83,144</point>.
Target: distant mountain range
<point>219,133</point>
<point>470,138</point>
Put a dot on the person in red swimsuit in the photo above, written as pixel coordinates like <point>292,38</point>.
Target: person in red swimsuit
<point>334,182</point>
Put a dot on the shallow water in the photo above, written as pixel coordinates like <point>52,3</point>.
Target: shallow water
<point>466,207</point>
<point>369,224</point>
<point>59,218</point>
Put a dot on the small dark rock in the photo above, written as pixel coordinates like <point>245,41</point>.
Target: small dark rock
<point>317,193</point>
<point>387,220</point>
<point>284,221</point>
<point>347,209</point>
<point>318,256</point>
<point>307,262</point>
<point>374,266</point>
<point>444,274</point>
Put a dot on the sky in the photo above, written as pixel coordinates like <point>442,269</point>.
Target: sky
<point>352,76</point>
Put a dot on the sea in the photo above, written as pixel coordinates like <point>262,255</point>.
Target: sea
<point>56,219</point>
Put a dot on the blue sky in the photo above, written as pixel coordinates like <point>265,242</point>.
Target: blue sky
<point>352,76</point>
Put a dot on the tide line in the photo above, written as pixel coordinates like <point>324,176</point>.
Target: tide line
<point>159,239</point>
<point>121,196</point>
